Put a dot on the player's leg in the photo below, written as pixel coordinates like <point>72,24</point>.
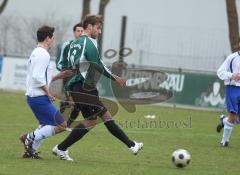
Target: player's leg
<point>116,131</point>
<point>33,140</point>
<point>61,150</point>
<point>73,115</point>
<point>232,96</point>
<point>220,126</point>
<point>223,119</point>
<point>78,132</point>
<point>51,120</point>
<point>228,127</point>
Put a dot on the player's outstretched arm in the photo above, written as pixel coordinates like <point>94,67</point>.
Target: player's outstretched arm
<point>63,74</point>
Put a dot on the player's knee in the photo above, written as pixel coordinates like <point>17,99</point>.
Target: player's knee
<point>60,128</point>
<point>106,117</point>
<point>232,117</point>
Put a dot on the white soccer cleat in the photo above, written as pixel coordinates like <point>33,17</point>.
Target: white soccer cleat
<point>62,154</point>
<point>136,148</point>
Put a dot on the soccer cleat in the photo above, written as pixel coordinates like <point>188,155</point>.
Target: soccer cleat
<point>226,144</point>
<point>220,125</point>
<point>36,155</point>
<point>29,151</point>
<point>27,143</point>
<point>136,148</point>
<point>63,155</point>
<point>33,155</point>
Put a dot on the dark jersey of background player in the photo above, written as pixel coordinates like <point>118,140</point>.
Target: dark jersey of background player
<point>62,64</point>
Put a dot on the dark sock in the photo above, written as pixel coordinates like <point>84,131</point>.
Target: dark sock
<point>74,113</point>
<point>114,129</point>
<point>73,116</point>
<point>78,132</point>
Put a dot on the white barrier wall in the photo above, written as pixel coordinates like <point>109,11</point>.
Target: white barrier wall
<point>13,72</point>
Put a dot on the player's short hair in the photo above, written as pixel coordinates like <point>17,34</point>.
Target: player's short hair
<point>92,19</point>
<point>77,25</point>
<point>44,32</point>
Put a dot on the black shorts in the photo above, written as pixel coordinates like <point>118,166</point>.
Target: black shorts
<point>88,102</point>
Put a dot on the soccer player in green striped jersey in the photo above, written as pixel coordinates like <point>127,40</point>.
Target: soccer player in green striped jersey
<point>61,60</point>
<point>62,64</point>
<point>84,55</point>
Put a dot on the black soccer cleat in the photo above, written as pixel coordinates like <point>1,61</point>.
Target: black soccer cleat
<point>36,155</point>
<point>220,126</point>
<point>31,154</point>
<point>226,144</point>
<point>29,151</point>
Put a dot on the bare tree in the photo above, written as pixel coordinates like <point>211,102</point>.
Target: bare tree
<point>102,6</point>
<point>3,5</point>
<point>19,34</point>
<point>85,8</point>
<point>4,28</point>
<point>233,25</point>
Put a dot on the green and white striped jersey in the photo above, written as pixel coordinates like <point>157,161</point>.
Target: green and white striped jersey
<point>84,55</point>
<point>62,57</point>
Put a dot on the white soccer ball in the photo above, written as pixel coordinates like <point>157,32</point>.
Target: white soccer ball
<point>181,158</point>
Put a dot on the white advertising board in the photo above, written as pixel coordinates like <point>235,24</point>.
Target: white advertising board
<point>14,72</point>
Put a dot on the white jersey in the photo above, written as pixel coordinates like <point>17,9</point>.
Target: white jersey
<point>230,66</point>
<point>38,73</point>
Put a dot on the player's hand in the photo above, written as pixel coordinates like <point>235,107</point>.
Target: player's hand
<point>51,97</point>
<point>236,76</point>
<point>67,73</point>
<point>122,81</point>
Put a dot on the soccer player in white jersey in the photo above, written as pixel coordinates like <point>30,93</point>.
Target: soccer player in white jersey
<point>229,71</point>
<point>38,96</point>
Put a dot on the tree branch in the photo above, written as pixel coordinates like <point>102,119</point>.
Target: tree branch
<point>233,24</point>
<point>102,6</point>
<point>3,5</point>
<point>85,8</point>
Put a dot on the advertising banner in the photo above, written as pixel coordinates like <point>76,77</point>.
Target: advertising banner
<point>145,85</point>
<point>184,88</point>
<point>14,73</point>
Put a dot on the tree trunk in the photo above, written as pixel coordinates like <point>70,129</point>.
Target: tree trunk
<point>102,6</point>
<point>3,5</point>
<point>85,8</point>
<point>233,24</point>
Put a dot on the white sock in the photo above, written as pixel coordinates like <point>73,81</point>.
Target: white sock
<point>227,132</point>
<point>225,119</point>
<point>37,143</point>
<point>42,133</point>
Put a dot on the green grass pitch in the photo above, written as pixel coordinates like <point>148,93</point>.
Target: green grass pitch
<point>100,153</point>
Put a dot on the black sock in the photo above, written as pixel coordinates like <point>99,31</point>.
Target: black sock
<point>114,129</point>
<point>74,113</point>
<point>78,132</point>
